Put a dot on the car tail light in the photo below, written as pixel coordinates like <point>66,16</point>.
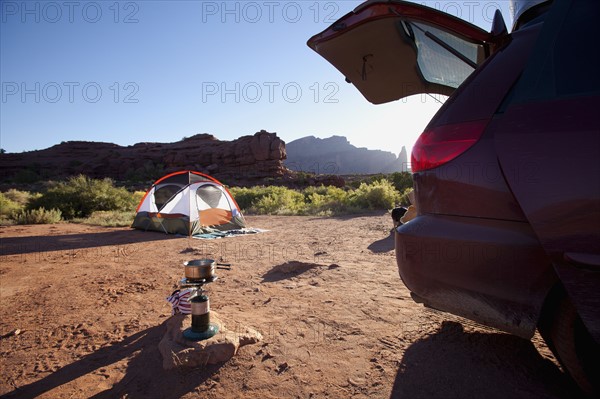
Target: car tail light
<point>442,144</point>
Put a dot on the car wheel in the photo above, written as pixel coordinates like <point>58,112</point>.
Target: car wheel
<point>568,338</point>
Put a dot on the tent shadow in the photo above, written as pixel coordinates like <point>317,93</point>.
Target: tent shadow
<point>386,244</point>
<point>287,270</point>
<point>452,363</point>
<point>125,239</point>
<point>144,377</point>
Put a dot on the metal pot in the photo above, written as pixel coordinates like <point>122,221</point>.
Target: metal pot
<point>198,269</point>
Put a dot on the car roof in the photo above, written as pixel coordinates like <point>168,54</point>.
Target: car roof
<point>519,7</point>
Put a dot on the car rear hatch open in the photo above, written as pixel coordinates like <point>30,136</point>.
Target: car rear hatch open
<point>394,49</point>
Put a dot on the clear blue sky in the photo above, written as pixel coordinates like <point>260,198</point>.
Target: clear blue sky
<point>133,71</point>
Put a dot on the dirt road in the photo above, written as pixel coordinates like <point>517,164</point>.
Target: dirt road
<point>325,293</point>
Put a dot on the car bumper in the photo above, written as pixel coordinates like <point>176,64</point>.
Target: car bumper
<point>491,271</point>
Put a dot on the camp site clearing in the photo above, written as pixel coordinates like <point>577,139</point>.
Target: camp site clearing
<point>83,309</point>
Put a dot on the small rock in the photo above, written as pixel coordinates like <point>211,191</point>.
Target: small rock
<point>180,352</point>
<point>12,333</point>
<point>357,382</point>
<point>282,367</point>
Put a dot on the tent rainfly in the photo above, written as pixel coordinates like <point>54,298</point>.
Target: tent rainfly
<point>188,203</point>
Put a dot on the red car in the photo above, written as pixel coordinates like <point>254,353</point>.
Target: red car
<point>507,173</point>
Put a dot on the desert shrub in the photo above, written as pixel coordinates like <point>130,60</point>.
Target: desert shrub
<point>108,218</point>
<point>401,181</point>
<point>20,197</point>
<point>38,216</point>
<point>380,194</point>
<point>325,201</point>
<point>80,196</point>
<point>8,207</point>
<point>245,196</point>
<point>322,201</point>
<point>137,197</point>
<point>404,200</point>
<point>279,201</point>
<point>270,200</point>
<point>267,199</point>
<point>12,203</point>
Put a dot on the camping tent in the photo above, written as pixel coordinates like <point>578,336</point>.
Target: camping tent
<point>188,203</point>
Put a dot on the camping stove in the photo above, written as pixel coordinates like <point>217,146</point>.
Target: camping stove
<point>201,327</point>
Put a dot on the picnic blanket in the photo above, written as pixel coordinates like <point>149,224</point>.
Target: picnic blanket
<point>215,234</point>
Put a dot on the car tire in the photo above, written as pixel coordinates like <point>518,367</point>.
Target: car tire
<point>568,338</point>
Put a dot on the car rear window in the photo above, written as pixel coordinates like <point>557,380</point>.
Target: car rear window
<point>437,63</point>
<point>566,59</point>
<point>576,55</point>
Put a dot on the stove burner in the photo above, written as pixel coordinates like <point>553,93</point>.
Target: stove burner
<point>196,282</point>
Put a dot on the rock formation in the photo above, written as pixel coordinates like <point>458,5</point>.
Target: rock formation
<point>403,160</point>
<point>245,160</point>
<point>335,155</point>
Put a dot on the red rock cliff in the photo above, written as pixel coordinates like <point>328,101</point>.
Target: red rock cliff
<point>245,160</point>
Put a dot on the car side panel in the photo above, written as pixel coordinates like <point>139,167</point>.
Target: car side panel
<point>551,123</point>
<point>559,190</point>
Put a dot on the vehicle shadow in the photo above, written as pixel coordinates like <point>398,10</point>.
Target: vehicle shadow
<point>452,363</point>
<point>126,239</point>
<point>144,377</point>
<point>384,245</point>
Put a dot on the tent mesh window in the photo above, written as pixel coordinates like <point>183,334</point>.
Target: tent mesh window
<point>164,193</point>
<point>210,194</point>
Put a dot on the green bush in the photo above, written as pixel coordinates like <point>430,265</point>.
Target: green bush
<point>325,201</point>
<point>401,181</point>
<point>80,196</point>
<point>8,207</point>
<point>137,197</point>
<point>276,200</point>
<point>38,216</point>
<point>12,203</point>
<point>322,201</point>
<point>108,218</point>
<point>244,196</point>
<point>380,194</point>
<point>404,200</point>
<point>20,197</point>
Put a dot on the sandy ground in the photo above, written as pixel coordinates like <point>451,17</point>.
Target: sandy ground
<point>324,292</point>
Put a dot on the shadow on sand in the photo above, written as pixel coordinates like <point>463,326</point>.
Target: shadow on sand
<point>287,270</point>
<point>384,245</point>
<point>452,363</point>
<point>74,242</point>
<point>145,377</point>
